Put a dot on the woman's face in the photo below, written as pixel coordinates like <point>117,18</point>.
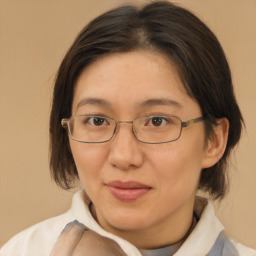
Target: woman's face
<point>134,186</point>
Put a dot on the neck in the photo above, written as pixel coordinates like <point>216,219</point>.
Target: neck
<point>160,235</point>
<point>164,233</point>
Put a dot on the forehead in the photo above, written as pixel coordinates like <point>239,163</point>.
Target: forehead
<point>131,78</point>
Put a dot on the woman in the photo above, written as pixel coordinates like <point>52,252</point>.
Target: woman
<point>143,116</point>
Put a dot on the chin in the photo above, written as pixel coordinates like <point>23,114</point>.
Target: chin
<point>128,220</point>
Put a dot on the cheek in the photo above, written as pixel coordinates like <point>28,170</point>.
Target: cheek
<point>178,167</point>
<point>89,159</point>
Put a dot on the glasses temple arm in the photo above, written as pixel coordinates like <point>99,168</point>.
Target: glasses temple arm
<point>192,121</point>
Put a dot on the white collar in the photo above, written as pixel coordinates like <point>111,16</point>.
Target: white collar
<point>205,233</point>
<point>198,243</point>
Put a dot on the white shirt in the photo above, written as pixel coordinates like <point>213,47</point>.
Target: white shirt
<point>39,239</point>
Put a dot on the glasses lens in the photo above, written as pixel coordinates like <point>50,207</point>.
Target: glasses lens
<point>157,129</point>
<point>90,128</point>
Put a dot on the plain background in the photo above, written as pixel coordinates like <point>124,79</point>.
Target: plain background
<point>34,36</point>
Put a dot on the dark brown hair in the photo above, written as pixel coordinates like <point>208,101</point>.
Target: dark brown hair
<point>176,33</point>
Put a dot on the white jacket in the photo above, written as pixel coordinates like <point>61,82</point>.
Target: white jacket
<point>207,238</point>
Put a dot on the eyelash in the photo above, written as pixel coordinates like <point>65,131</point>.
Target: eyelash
<point>153,114</point>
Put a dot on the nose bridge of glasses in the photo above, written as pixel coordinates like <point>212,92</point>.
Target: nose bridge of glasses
<point>122,122</point>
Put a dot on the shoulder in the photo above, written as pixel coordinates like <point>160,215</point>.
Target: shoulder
<point>209,236</point>
<point>243,250</point>
<point>42,235</point>
<point>227,246</point>
<point>39,239</point>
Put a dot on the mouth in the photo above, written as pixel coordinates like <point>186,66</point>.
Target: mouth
<point>127,191</point>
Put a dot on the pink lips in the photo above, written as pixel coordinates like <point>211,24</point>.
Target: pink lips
<point>127,191</point>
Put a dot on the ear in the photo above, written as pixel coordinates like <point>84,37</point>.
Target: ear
<point>216,145</point>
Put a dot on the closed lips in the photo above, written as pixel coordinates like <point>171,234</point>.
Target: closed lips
<point>128,191</point>
<point>127,185</point>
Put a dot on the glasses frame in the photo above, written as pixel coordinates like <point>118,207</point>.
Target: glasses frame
<point>184,124</point>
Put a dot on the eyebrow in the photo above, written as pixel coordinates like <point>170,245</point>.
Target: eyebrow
<point>148,103</point>
<point>93,101</point>
<point>161,102</point>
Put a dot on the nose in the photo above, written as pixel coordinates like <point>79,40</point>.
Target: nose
<point>125,150</point>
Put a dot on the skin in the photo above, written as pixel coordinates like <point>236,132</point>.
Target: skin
<point>125,81</point>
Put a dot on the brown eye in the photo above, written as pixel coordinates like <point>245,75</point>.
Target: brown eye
<point>98,121</point>
<point>157,121</point>
<point>95,121</point>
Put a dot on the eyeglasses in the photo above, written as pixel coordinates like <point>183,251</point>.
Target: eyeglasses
<point>148,129</point>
